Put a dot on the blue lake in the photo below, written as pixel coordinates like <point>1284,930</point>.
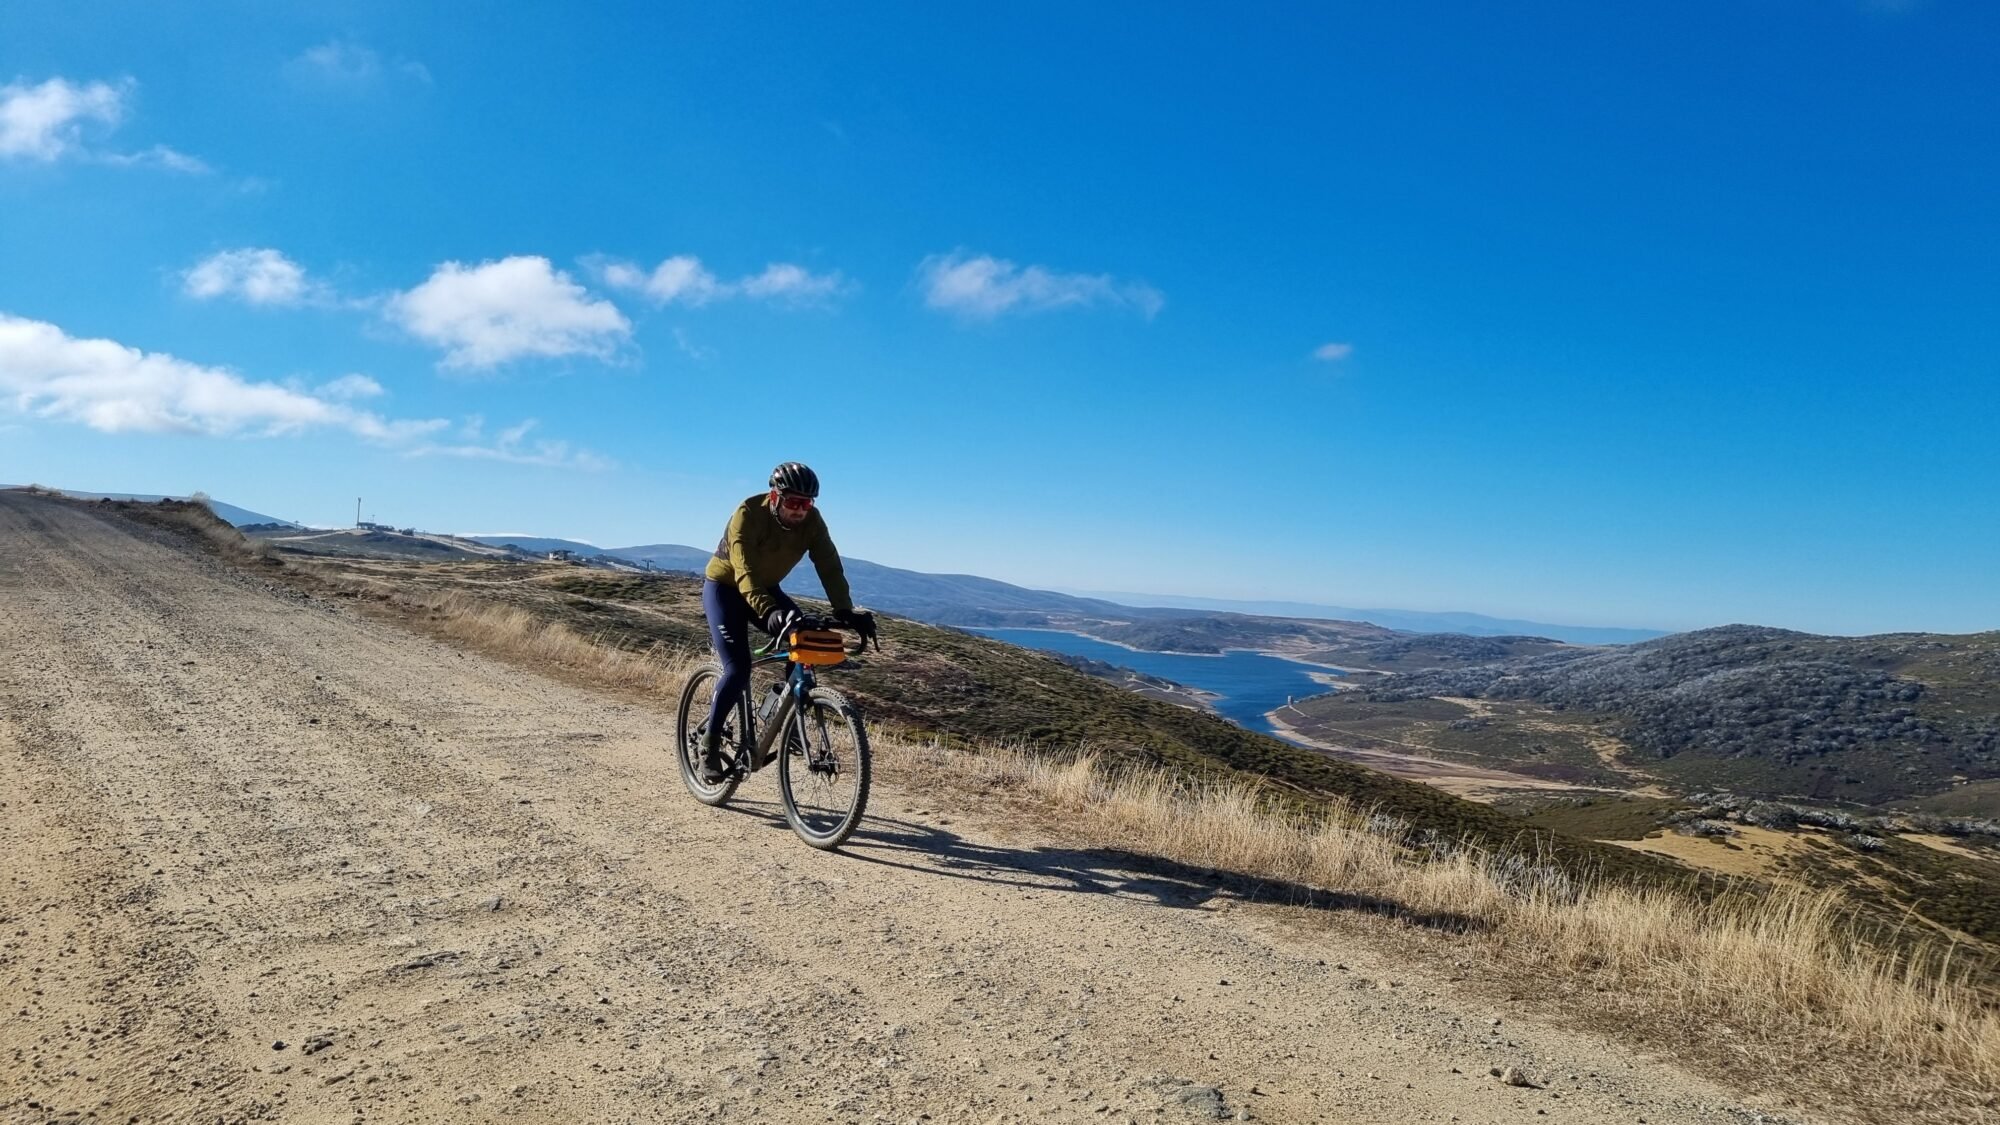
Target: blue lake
<point>1249,683</point>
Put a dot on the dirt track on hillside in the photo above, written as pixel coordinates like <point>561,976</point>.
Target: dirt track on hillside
<point>269,859</point>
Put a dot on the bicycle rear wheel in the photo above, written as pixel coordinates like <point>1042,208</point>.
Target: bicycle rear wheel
<point>688,723</point>
<point>823,770</point>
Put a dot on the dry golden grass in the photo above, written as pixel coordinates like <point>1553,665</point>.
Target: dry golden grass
<point>1781,979</point>
<point>515,632</point>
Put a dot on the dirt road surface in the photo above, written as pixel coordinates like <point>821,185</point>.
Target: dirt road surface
<point>268,859</point>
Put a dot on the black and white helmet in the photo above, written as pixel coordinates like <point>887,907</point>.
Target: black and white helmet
<point>795,478</point>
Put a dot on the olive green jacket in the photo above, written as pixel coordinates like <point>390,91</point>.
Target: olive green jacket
<point>757,552</point>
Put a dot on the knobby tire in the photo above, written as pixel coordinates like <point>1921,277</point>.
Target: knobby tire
<point>824,804</point>
<point>695,699</point>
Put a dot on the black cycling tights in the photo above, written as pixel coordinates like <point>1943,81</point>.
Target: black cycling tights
<point>729,633</point>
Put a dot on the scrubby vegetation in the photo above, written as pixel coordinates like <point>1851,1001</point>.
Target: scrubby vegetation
<point>1131,679</point>
<point>1766,711</point>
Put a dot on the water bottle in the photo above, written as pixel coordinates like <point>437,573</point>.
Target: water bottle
<point>771,698</point>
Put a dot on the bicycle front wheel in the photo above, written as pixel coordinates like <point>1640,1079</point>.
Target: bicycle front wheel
<point>823,770</point>
<point>688,723</point>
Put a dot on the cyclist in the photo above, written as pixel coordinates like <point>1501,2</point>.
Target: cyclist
<point>766,537</point>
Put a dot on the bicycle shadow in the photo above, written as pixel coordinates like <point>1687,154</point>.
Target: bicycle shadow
<point>930,849</point>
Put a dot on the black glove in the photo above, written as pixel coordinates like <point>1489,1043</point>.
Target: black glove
<point>861,621</point>
<point>774,622</point>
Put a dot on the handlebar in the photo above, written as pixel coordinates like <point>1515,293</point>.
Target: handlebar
<point>813,621</point>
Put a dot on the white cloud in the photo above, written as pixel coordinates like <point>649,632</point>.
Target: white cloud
<point>700,353</point>
<point>1333,353</point>
<point>985,287</point>
<point>112,388</point>
<point>494,312</point>
<point>682,279</point>
<point>619,275</point>
<point>677,279</point>
<point>350,387</point>
<point>159,156</point>
<point>784,281</point>
<point>511,446</point>
<point>45,122</point>
<point>343,62</point>
<point>258,276</point>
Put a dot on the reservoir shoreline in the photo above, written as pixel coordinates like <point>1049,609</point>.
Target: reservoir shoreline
<point>1241,685</point>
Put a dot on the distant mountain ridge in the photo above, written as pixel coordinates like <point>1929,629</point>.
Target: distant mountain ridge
<point>970,600</point>
<point>538,544</point>
<point>952,599</point>
<point>1405,620</point>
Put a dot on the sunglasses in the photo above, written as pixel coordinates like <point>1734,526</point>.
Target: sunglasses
<point>793,503</point>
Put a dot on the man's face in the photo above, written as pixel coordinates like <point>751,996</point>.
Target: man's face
<point>792,508</point>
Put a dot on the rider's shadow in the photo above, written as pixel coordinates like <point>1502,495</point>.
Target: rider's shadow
<point>933,850</point>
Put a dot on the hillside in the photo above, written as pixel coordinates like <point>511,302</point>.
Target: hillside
<point>667,556</point>
<point>1868,763</point>
<point>372,543</point>
<point>965,689</point>
<point>1763,712</point>
<point>962,688</point>
<point>286,846</point>
<point>968,689</point>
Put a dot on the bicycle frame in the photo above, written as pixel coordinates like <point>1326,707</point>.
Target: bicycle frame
<point>799,682</point>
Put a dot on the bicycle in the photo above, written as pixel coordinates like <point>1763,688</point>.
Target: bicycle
<point>816,736</point>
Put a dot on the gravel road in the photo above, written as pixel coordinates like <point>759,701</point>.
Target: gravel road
<point>269,859</point>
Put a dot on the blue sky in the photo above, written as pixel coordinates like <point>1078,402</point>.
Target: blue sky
<point>1666,315</point>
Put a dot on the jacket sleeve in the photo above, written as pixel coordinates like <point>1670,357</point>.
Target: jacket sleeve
<point>761,603</point>
<point>826,560</point>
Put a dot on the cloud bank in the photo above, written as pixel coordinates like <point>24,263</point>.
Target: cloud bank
<point>1333,353</point>
<point>985,288</point>
<point>115,389</point>
<point>515,308</point>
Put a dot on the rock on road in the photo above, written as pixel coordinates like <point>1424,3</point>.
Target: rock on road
<point>269,859</point>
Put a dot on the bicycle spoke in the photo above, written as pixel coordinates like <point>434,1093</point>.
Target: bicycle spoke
<point>824,775</point>
<point>690,721</point>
